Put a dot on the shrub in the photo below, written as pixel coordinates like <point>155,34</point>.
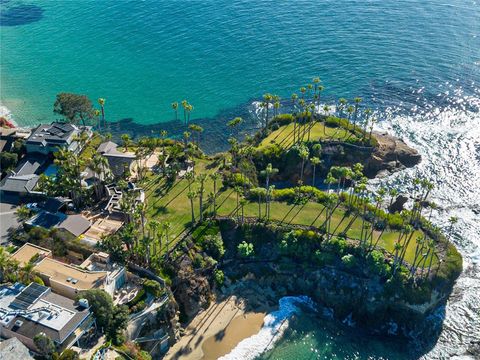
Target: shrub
<point>450,268</point>
<point>237,179</point>
<point>141,295</point>
<point>338,245</point>
<point>349,261</point>
<point>219,277</point>
<point>324,258</point>
<point>141,305</point>
<point>8,160</point>
<point>376,263</point>
<point>245,249</point>
<point>213,245</point>
<point>281,119</point>
<point>153,287</point>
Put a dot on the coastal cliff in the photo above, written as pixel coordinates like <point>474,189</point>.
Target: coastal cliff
<point>356,296</point>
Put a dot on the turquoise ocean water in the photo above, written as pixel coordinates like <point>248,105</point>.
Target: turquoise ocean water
<point>416,63</point>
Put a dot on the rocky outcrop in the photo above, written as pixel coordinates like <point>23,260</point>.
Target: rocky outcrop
<point>392,154</point>
<point>398,204</point>
<point>191,290</point>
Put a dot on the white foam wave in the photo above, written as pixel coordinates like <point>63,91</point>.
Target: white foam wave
<point>273,328</point>
<point>448,137</point>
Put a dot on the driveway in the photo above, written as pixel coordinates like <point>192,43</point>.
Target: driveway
<point>8,220</point>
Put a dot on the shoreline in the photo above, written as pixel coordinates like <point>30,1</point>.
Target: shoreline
<point>216,331</point>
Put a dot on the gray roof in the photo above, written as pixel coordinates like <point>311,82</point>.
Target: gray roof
<point>19,184</point>
<point>118,161</point>
<point>29,165</point>
<point>75,224</point>
<point>56,133</point>
<point>13,349</point>
<point>106,147</point>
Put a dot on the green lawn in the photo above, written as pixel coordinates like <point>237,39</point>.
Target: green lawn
<point>172,204</point>
<point>284,135</point>
<point>308,214</point>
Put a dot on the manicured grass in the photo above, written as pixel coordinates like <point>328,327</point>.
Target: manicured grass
<point>284,135</point>
<point>170,203</point>
<point>308,214</point>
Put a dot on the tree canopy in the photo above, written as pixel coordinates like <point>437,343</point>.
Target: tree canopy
<point>75,108</point>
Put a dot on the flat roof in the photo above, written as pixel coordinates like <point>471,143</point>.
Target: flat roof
<point>66,274</point>
<point>27,251</point>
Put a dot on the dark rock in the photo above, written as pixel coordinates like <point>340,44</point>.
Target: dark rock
<point>398,204</point>
<point>392,155</point>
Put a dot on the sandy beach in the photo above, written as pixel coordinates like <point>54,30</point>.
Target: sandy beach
<point>216,331</point>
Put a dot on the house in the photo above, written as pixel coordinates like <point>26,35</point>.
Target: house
<point>47,138</point>
<point>21,182</point>
<point>13,349</point>
<point>53,218</point>
<point>119,162</point>
<point>26,311</point>
<point>9,135</point>
<point>96,272</point>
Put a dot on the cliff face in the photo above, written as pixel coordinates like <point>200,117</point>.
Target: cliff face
<point>352,299</point>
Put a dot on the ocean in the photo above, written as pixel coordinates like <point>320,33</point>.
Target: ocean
<point>415,63</point>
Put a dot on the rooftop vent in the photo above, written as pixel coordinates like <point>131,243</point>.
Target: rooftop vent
<point>18,323</point>
<point>83,303</point>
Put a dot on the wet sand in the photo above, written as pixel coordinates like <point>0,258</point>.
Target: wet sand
<point>217,330</point>
<point>225,341</point>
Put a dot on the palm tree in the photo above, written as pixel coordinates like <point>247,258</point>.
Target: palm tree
<point>196,129</point>
<point>154,226</point>
<point>126,140</point>
<point>186,136</point>
<point>276,106</point>
<point>98,164</point>
<point>303,90</point>
<point>294,98</point>
<point>267,173</point>
<point>453,220</point>
<point>342,104</point>
<point>350,111</point>
<point>189,110</point>
<point>101,102</point>
<point>190,177</point>
<point>314,161</point>
<point>23,213</point>
<point>27,273</point>
<point>191,196</point>
<point>367,113</point>
<point>215,176</point>
<point>184,105</point>
<point>201,190</point>
<point>166,230</point>
<point>163,135</point>
<point>175,108</point>
<point>304,153</point>
<point>267,99</point>
<point>238,191</point>
<point>357,102</point>
<point>243,202</point>
<point>372,124</point>
<point>270,190</point>
<point>234,124</point>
